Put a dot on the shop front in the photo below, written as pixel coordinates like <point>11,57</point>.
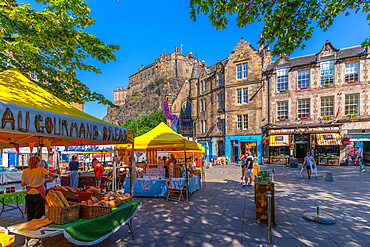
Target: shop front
<point>323,142</point>
<point>358,149</point>
<point>279,149</point>
<point>236,146</point>
<point>209,145</point>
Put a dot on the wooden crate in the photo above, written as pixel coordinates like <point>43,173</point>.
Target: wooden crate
<point>261,202</point>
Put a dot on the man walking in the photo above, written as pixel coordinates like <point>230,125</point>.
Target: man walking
<point>249,169</point>
<point>73,167</point>
<point>309,162</point>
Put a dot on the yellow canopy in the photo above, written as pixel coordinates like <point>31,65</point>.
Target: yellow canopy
<point>31,116</point>
<point>161,138</point>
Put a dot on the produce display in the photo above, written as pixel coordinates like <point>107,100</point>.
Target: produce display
<point>110,199</point>
<point>89,189</point>
<point>63,188</point>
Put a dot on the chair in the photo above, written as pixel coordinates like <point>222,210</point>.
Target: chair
<point>174,190</point>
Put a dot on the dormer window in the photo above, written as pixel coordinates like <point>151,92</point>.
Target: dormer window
<point>242,71</point>
<point>327,72</point>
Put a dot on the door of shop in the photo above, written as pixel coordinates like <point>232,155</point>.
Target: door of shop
<point>234,151</point>
<point>301,151</point>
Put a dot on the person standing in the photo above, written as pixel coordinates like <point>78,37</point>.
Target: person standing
<point>34,178</point>
<point>172,159</point>
<point>249,169</point>
<point>73,167</point>
<point>98,171</point>
<point>243,165</point>
<point>309,163</point>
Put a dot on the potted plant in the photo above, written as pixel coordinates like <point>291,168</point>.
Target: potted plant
<point>303,117</point>
<point>282,118</point>
<point>265,141</point>
<point>302,88</point>
<point>282,91</point>
<point>327,116</point>
<point>346,141</point>
<point>262,185</point>
<point>327,85</point>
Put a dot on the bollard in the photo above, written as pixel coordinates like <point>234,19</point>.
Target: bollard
<point>269,217</point>
<point>329,177</point>
<point>269,235</point>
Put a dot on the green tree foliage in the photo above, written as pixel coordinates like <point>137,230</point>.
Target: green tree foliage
<point>146,122</point>
<point>287,23</point>
<point>52,44</point>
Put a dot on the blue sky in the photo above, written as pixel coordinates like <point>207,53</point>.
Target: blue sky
<point>144,29</point>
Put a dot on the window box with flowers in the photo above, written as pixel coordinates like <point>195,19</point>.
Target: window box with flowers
<point>328,117</point>
<point>301,118</point>
<point>352,115</point>
<point>282,118</point>
<point>346,141</point>
<point>283,91</point>
<point>303,88</point>
<point>265,141</point>
<point>327,85</point>
<point>351,82</point>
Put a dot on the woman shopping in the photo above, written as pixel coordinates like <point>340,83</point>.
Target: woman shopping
<point>98,170</point>
<point>34,178</point>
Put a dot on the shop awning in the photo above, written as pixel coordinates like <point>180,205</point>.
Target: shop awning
<point>31,116</point>
<point>161,138</point>
<point>328,139</point>
<point>279,140</point>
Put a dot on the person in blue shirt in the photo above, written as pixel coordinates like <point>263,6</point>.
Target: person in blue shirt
<point>73,167</point>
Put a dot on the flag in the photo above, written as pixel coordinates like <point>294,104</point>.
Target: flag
<point>338,111</point>
<point>273,117</point>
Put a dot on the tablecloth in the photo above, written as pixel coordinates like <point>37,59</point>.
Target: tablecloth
<point>9,198</point>
<point>93,231</point>
<point>158,188</point>
<point>9,177</point>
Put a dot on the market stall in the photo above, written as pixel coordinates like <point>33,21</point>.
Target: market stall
<point>32,117</point>
<point>161,139</point>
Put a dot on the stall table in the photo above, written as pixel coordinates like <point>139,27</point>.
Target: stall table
<point>158,188</point>
<point>17,198</point>
<point>10,177</point>
<point>89,231</point>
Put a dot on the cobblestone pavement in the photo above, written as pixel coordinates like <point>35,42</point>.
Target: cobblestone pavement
<point>223,213</point>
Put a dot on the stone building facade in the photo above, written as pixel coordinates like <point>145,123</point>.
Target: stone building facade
<point>221,105</point>
<point>311,103</point>
<point>174,65</point>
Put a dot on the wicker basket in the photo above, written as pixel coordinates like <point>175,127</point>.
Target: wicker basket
<point>84,196</point>
<point>126,200</point>
<point>90,212</point>
<point>68,194</point>
<point>61,216</point>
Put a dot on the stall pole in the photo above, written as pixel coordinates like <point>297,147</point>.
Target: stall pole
<point>131,170</point>
<point>114,184</point>
<point>186,174</point>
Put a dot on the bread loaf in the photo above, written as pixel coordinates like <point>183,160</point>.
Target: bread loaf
<point>112,204</point>
<point>104,204</point>
<point>90,203</point>
<point>94,199</point>
<point>84,203</point>
<point>55,199</point>
<point>48,201</point>
<point>61,196</point>
<point>63,189</point>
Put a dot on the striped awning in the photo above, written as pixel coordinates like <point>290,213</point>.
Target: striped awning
<point>328,139</point>
<point>279,140</point>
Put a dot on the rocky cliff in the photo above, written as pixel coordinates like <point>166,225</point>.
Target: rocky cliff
<point>147,100</point>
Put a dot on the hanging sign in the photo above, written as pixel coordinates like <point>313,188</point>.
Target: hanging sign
<point>24,120</point>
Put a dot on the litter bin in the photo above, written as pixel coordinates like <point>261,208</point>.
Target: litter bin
<point>294,162</point>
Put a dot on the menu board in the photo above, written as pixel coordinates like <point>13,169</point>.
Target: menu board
<point>329,161</point>
<point>278,160</point>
